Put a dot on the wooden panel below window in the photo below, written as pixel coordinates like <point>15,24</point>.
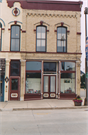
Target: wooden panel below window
<point>32,97</point>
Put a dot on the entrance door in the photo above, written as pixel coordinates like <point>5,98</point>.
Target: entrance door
<point>49,89</point>
<point>2,88</point>
<point>14,88</point>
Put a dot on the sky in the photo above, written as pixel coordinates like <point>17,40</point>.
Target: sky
<point>85,4</point>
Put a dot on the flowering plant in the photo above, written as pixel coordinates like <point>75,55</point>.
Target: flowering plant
<point>77,99</point>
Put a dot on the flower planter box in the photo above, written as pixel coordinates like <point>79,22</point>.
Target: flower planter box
<point>77,103</point>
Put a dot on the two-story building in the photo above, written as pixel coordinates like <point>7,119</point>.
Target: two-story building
<point>41,45</point>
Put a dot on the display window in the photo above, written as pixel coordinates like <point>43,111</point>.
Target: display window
<point>33,77</point>
<point>68,77</point>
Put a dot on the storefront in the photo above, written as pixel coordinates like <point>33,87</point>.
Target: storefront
<point>2,81</point>
<point>50,79</point>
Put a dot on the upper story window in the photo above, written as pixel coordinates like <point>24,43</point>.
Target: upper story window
<point>61,39</point>
<point>15,38</point>
<point>0,35</point>
<point>41,39</point>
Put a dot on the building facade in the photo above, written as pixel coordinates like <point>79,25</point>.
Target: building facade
<point>40,43</point>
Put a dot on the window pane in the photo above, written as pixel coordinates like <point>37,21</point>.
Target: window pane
<point>52,84</point>
<point>59,33</point>
<point>40,45</point>
<point>17,44</point>
<point>63,33</point>
<point>33,82</point>
<point>15,31</point>
<point>43,32</point>
<point>59,46</point>
<point>46,83</point>
<point>13,47</point>
<point>14,84</point>
<point>50,66</point>
<point>32,65</point>
<point>67,82</point>
<point>39,32</point>
<point>67,66</point>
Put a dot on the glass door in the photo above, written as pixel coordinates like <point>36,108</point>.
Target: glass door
<point>49,86</point>
<point>14,88</point>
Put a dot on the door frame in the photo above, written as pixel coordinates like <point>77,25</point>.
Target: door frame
<point>14,91</point>
<point>2,97</point>
<point>48,93</point>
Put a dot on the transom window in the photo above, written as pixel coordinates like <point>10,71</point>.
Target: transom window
<point>61,39</point>
<point>0,35</point>
<point>15,68</point>
<point>41,39</point>
<point>15,38</point>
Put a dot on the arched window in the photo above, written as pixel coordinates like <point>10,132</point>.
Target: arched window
<point>41,39</point>
<point>61,39</point>
<point>0,35</point>
<point>15,38</point>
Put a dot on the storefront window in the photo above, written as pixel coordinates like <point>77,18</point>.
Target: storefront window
<point>33,77</point>
<point>67,66</point>
<point>68,83</point>
<point>33,82</point>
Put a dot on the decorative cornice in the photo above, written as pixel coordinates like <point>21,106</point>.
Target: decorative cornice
<point>51,15</point>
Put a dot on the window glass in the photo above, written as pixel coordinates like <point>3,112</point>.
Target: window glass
<point>67,66</point>
<point>14,84</point>
<point>15,68</point>
<point>41,39</point>
<point>0,35</point>
<point>15,38</point>
<point>52,84</point>
<point>61,39</point>
<point>46,83</point>
<point>33,82</point>
<point>33,65</point>
<point>50,66</point>
<point>68,83</point>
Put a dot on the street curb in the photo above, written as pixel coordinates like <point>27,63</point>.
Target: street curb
<point>51,108</point>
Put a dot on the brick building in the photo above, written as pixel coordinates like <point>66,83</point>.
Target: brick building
<point>41,45</point>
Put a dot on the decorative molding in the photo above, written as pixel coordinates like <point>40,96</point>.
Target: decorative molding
<point>41,23</point>
<point>78,33</point>
<point>2,28</point>
<point>9,29</point>
<point>2,22</point>
<point>62,24</point>
<point>52,15</point>
<point>23,31</point>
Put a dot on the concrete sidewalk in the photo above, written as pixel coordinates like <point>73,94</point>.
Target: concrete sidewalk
<point>39,105</point>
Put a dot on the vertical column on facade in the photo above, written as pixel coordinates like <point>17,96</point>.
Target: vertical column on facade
<point>78,37</point>
<point>7,83</point>
<point>57,89</point>
<point>42,81</point>
<point>22,88</point>
<point>59,83</point>
<point>78,77</point>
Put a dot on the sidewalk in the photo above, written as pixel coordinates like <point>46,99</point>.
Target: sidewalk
<point>39,105</point>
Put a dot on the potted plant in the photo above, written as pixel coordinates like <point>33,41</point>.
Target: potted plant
<point>77,101</point>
